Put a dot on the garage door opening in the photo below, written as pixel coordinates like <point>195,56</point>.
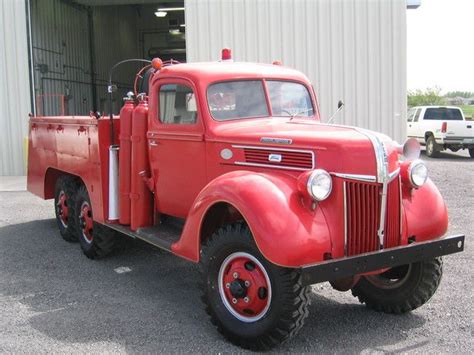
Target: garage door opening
<point>73,44</point>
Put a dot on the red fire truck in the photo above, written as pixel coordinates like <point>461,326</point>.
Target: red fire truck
<point>230,165</point>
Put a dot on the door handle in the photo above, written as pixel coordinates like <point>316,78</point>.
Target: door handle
<point>469,126</point>
<point>154,143</point>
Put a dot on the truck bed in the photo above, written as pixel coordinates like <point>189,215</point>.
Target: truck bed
<point>71,145</point>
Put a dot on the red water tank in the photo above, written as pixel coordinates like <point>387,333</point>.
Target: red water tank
<point>125,156</point>
<point>141,196</point>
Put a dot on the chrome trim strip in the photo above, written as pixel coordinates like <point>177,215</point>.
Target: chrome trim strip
<point>383,212</point>
<point>380,154</point>
<point>275,149</point>
<point>345,217</point>
<point>270,166</point>
<point>365,178</point>
<point>393,174</point>
<point>401,210</point>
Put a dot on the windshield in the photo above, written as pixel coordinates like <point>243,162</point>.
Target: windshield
<point>246,99</point>
<point>443,113</point>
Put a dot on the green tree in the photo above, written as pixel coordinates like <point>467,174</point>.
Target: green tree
<point>430,96</point>
<point>465,94</point>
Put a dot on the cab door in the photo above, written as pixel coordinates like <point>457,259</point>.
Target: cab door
<point>176,146</point>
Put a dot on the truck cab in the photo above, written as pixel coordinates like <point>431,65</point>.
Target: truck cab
<point>229,165</point>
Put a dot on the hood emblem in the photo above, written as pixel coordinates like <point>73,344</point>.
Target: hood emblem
<point>276,140</point>
<point>275,158</point>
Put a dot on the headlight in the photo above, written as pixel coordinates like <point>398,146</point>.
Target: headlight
<point>418,173</point>
<point>319,184</point>
<point>410,149</point>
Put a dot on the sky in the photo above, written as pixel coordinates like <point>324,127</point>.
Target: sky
<point>440,46</point>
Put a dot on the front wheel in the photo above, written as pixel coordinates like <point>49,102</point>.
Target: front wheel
<point>253,303</point>
<point>471,152</point>
<point>400,289</point>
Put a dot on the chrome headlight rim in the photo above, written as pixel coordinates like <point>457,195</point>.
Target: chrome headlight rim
<point>314,174</point>
<point>411,168</point>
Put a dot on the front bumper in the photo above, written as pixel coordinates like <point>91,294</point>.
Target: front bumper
<point>359,264</point>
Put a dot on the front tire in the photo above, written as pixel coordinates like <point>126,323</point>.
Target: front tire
<point>471,152</point>
<point>253,303</point>
<point>96,241</point>
<point>400,289</point>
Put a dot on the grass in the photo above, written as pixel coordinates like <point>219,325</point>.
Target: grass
<point>468,110</point>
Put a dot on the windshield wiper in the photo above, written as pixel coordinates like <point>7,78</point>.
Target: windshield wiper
<point>297,113</point>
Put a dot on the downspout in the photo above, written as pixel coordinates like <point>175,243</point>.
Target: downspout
<point>90,21</point>
<point>30,57</point>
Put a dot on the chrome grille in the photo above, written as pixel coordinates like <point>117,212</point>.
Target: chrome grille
<point>362,216</point>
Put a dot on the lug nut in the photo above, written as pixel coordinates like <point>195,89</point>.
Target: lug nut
<point>247,283</point>
<point>234,300</point>
<point>227,285</point>
<point>246,299</point>
<point>236,275</point>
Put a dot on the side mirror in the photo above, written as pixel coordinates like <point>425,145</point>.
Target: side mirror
<point>339,107</point>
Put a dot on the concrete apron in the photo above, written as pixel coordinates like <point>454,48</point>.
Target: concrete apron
<point>12,183</point>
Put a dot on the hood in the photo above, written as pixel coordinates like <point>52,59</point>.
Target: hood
<point>336,148</point>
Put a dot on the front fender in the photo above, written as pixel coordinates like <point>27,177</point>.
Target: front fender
<point>286,232</point>
<point>426,216</point>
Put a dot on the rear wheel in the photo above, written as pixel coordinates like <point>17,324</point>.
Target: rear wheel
<point>471,152</point>
<point>64,195</point>
<point>96,241</point>
<point>253,303</point>
<point>432,148</point>
<point>400,289</point>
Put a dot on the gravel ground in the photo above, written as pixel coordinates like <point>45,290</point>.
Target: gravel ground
<point>53,299</point>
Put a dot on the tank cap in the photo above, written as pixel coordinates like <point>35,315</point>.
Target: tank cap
<point>129,97</point>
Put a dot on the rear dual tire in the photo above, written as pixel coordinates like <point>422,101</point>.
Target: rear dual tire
<point>96,240</point>
<point>64,204</point>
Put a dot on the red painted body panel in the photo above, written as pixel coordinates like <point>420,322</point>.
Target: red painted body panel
<point>77,145</point>
<point>141,196</point>
<point>288,233</point>
<point>189,175</point>
<point>125,157</point>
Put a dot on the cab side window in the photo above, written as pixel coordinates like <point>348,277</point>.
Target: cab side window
<point>417,115</point>
<point>177,104</point>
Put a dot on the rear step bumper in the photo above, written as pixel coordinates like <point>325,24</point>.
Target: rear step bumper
<point>359,264</point>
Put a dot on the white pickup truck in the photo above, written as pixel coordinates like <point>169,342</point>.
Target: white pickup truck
<point>440,128</point>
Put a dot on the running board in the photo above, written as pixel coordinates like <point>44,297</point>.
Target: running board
<point>162,236</point>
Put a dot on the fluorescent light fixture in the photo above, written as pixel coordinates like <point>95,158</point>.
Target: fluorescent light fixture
<point>174,32</point>
<point>161,13</point>
<point>182,25</point>
<point>171,9</point>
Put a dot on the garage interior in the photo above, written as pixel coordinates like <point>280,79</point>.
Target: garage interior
<point>74,43</point>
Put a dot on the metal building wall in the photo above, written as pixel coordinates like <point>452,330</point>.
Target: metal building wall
<point>354,50</point>
<point>14,86</point>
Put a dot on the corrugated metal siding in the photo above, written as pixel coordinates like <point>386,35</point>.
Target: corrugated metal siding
<point>60,43</point>
<point>14,87</point>
<point>61,54</point>
<point>354,50</point>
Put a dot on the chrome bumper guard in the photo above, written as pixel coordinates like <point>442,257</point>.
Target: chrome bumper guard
<point>348,266</point>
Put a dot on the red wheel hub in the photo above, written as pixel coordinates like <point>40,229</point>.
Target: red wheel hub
<point>245,287</point>
<point>63,209</point>
<point>87,223</point>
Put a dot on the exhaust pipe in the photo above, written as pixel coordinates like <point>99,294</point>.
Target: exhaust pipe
<point>113,183</point>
